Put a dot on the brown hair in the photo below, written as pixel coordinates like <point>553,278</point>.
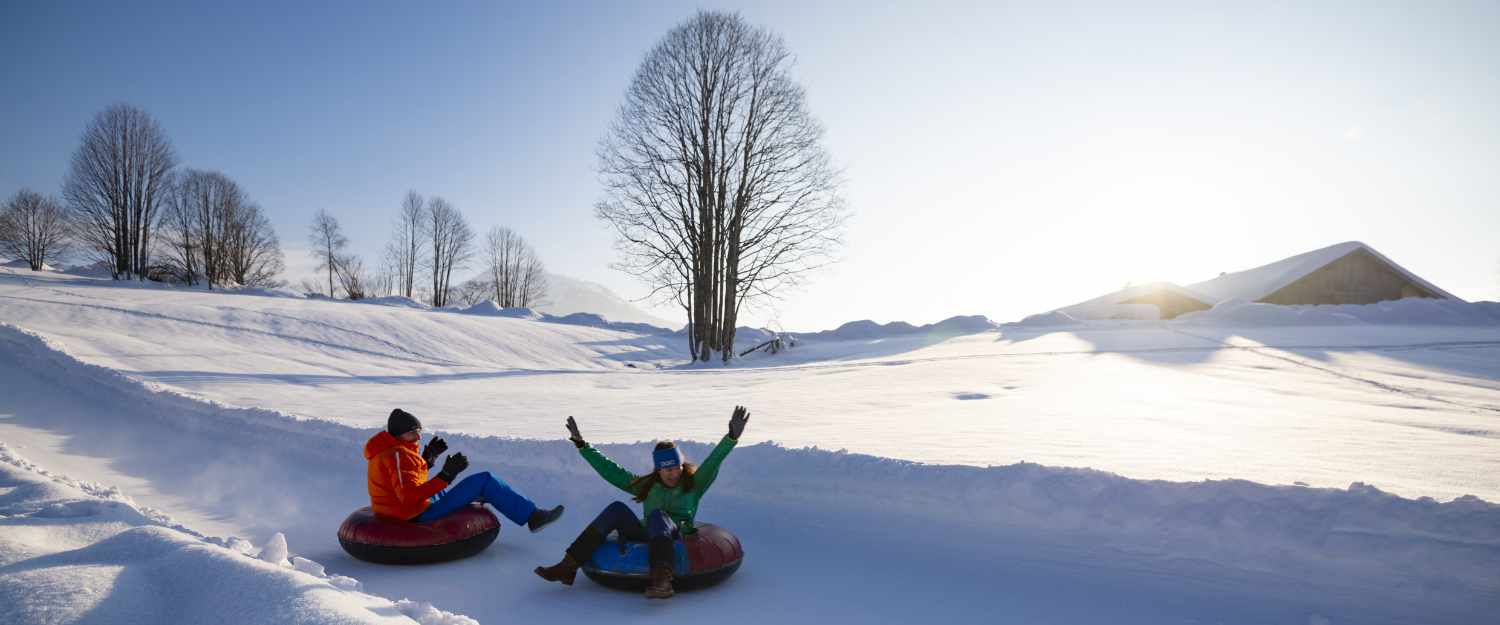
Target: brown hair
<point>642,485</point>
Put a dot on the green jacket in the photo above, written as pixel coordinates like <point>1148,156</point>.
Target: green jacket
<point>679,503</point>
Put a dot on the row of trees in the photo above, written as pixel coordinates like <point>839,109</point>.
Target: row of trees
<point>126,204</point>
<point>430,241</point>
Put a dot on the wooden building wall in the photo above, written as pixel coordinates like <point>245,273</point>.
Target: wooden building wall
<point>1357,278</point>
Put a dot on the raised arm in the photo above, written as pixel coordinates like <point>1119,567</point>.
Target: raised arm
<point>608,469</point>
<point>709,470</point>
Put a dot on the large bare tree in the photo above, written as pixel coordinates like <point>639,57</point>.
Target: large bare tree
<point>201,208</point>
<point>404,252</point>
<point>119,177</point>
<point>328,242</point>
<point>716,180</point>
<point>33,227</point>
<point>212,231</point>
<point>251,251</point>
<point>515,274</point>
<point>451,243</point>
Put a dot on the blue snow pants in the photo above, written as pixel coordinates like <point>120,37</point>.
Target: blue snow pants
<point>481,487</point>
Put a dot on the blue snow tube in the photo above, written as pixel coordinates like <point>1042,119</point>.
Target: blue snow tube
<point>704,558</point>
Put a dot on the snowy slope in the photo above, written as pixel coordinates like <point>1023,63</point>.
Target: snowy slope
<point>243,415</point>
<point>1111,306</point>
<point>1397,405</point>
<point>828,535</point>
<point>80,552</point>
<point>567,295</point>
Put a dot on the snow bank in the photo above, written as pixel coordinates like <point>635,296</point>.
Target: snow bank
<point>1390,548</point>
<point>869,330</point>
<point>71,552</point>
<point>280,291</point>
<point>20,263</point>
<point>1409,311</point>
<point>98,269</point>
<point>393,300</point>
<point>489,308</point>
<point>1047,320</point>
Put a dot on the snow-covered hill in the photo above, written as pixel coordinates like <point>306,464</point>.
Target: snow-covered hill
<point>242,416</point>
<point>566,296</point>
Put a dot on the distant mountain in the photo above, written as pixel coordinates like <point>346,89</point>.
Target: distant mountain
<point>567,295</point>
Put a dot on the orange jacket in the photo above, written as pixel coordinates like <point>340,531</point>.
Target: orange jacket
<point>397,477</point>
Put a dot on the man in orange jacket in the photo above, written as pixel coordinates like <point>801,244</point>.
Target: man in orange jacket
<point>399,487</point>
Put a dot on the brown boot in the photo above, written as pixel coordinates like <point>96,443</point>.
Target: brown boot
<point>661,582</point>
<point>563,571</point>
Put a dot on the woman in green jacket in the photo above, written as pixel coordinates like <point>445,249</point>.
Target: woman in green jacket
<point>669,495</point>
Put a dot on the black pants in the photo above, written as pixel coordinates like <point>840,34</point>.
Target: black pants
<point>658,532</point>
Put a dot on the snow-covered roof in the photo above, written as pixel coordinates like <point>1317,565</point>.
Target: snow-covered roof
<point>1113,306</point>
<point>1253,284</point>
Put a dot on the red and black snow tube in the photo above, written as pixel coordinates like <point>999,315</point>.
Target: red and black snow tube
<point>390,541</point>
<point>704,558</point>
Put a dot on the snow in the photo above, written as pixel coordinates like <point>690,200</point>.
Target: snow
<point>1112,306</point>
<point>72,553</point>
<point>1242,473</point>
<point>1253,284</point>
<point>489,308</point>
<point>20,263</point>
<point>867,329</point>
<point>566,295</point>
<point>1413,310</point>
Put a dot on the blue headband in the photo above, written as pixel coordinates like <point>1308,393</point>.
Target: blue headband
<point>667,458</point>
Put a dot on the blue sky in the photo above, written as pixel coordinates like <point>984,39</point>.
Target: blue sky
<point>1001,159</point>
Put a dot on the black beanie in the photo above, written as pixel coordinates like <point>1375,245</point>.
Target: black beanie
<point>401,422</point>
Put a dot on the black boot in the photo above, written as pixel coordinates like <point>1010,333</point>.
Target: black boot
<point>563,571</point>
<point>582,550</point>
<point>660,552</point>
<point>661,581</point>
<point>540,518</point>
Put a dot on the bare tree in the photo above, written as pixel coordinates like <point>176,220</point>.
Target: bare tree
<point>452,244</point>
<point>118,179</point>
<point>212,231</point>
<point>251,251</point>
<point>716,181</point>
<point>352,276</point>
<point>179,231</point>
<point>473,291</point>
<point>515,275</point>
<point>328,242</point>
<point>33,227</point>
<point>212,202</point>
<point>404,252</point>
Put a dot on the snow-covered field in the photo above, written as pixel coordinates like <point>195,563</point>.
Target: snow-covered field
<point>242,415</point>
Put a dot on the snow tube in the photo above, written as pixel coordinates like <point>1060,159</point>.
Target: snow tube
<point>703,558</point>
<point>390,541</point>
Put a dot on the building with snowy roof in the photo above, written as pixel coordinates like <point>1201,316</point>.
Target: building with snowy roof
<point>1346,273</point>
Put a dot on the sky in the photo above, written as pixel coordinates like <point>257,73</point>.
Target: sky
<point>999,159</point>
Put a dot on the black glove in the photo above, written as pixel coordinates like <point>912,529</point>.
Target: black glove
<point>737,422</point>
<point>573,434</point>
<point>434,448</point>
<point>454,465</point>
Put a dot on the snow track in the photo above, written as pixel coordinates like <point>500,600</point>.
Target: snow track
<point>828,535</point>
